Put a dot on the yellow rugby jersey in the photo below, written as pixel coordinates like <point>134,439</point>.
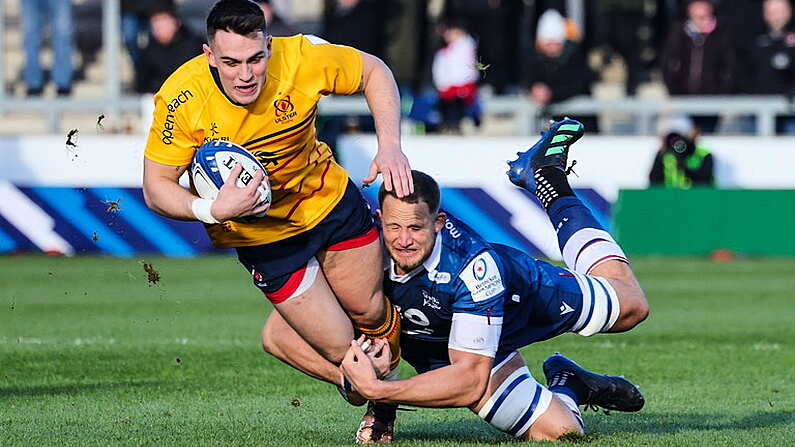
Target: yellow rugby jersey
<point>278,128</point>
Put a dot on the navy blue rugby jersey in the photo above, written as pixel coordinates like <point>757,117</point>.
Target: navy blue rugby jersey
<point>501,298</point>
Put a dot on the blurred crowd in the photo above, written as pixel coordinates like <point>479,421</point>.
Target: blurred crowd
<point>444,53</point>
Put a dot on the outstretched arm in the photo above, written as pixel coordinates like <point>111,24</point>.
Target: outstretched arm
<point>381,93</point>
<point>460,384</point>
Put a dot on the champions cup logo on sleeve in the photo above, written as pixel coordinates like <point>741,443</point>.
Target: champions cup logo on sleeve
<point>479,269</point>
<point>482,277</point>
<point>173,105</point>
<point>285,110</point>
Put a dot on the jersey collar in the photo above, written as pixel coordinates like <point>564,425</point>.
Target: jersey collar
<point>429,264</point>
<point>432,261</point>
<point>217,81</point>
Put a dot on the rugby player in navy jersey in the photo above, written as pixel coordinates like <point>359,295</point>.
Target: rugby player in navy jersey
<point>467,307</point>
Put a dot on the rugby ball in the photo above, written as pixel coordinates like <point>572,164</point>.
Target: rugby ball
<point>213,163</point>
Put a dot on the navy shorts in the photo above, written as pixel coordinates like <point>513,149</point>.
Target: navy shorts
<point>279,268</point>
<point>552,300</point>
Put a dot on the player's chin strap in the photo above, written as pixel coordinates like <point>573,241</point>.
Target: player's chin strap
<point>201,209</point>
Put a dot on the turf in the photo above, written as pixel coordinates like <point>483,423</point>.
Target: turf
<point>91,353</point>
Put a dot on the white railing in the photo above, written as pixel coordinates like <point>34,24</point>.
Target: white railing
<point>525,114</point>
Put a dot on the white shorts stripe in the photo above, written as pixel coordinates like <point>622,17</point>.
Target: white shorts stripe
<point>312,267</point>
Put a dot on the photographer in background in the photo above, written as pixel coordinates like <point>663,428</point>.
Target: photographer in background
<point>682,162</point>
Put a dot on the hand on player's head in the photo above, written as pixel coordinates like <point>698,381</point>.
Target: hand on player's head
<point>394,167</point>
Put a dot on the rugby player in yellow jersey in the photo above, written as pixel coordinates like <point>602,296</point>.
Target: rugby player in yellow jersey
<point>316,253</point>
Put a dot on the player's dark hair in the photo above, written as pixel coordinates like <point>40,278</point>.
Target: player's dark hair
<point>425,189</point>
<point>235,16</point>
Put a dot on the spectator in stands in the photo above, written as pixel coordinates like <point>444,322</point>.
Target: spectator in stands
<point>697,58</point>
<point>494,24</point>
<point>455,74</point>
<point>769,58</point>
<point>171,44</point>
<point>625,29</point>
<point>365,25</point>
<point>682,161</point>
<point>134,22</point>
<point>557,69</point>
<point>361,24</point>
<point>743,17</point>
<point>36,15</point>
<point>276,25</point>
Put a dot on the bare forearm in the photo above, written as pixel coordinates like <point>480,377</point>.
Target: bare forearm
<point>450,386</point>
<point>383,98</point>
<point>169,199</point>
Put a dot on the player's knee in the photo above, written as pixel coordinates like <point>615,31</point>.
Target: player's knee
<point>366,318</point>
<point>370,313</point>
<point>333,354</point>
<point>269,341</point>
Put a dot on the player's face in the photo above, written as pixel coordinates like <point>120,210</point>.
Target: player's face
<point>242,62</point>
<point>410,231</point>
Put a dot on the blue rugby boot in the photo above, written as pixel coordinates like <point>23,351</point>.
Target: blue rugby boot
<point>608,392</point>
<point>551,150</point>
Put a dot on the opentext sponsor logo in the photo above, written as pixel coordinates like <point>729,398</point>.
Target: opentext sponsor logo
<point>173,105</point>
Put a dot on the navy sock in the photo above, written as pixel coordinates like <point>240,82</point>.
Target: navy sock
<point>568,215</point>
<point>567,383</point>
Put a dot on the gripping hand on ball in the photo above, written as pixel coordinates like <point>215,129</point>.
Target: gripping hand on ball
<point>234,202</point>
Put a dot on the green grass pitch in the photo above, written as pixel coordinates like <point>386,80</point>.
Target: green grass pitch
<point>91,354</point>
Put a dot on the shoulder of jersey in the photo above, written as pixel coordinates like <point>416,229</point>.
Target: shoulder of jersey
<point>460,243</point>
<point>287,52</point>
<point>193,76</point>
<point>299,44</point>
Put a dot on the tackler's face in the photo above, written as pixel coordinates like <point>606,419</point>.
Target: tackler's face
<point>410,231</point>
<point>242,63</point>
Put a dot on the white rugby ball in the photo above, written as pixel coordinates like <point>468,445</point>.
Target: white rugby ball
<point>213,163</point>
